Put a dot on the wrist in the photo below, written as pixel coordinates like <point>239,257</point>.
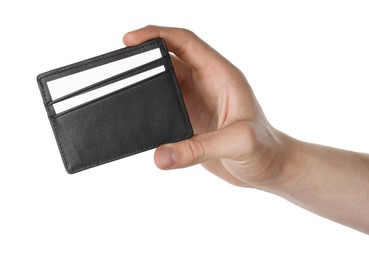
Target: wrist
<point>283,174</point>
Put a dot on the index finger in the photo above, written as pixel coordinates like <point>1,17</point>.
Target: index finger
<point>183,43</point>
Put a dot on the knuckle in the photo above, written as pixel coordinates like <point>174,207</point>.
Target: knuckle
<point>248,138</point>
<point>188,37</point>
<point>194,151</point>
<point>187,31</point>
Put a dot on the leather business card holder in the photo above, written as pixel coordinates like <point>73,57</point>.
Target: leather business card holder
<point>114,105</point>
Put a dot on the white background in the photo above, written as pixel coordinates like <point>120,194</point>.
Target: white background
<point>308,63</point>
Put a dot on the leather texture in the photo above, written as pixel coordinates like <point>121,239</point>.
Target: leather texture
<point>133,119</point>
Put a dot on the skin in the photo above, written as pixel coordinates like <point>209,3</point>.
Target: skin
<point>234,140</point>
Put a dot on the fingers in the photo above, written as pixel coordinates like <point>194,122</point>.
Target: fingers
<point>230,142</point>
<point>183,43</point>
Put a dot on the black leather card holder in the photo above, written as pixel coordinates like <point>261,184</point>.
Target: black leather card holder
<point>98,115</point>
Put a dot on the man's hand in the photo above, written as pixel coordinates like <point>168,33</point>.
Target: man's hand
<point>232,138</point>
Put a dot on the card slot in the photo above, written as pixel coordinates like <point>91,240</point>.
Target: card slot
<point>130,73</point>
<point>67,107</point>
<point>70,81</point>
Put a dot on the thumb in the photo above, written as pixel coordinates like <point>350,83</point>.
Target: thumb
<point>227,142</point>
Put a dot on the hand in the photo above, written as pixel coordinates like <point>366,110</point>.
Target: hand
<point>232,137</point>
<point>234,140</point>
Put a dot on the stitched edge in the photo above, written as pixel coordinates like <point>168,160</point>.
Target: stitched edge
<point>64,159</point>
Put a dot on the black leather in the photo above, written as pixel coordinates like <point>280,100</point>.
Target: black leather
<point>128,121</point>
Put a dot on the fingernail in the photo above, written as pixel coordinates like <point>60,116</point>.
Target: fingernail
<point>166,157</point>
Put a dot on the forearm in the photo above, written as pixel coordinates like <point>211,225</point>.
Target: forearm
<point>330,182</point>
